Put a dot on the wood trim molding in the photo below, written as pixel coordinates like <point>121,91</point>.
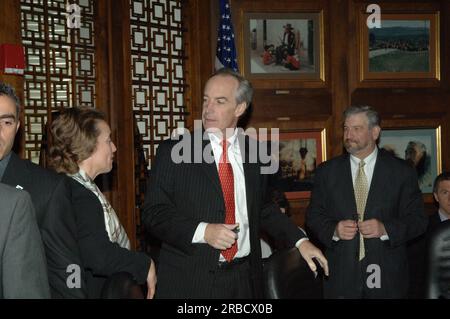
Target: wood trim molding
<point>120,113</point>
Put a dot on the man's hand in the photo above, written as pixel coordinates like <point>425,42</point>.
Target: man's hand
<point>308,252</point>
<point>220,236</point>
<point>346,229</point>
<point>151,281</point>
<point>372,228</point>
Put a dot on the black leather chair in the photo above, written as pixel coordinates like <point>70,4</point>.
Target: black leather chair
<point>438,274</point>
<point>287,276</point>
<point>122,285</point>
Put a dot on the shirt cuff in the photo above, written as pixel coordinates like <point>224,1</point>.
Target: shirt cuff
<point>199,235</point>
<point>335,237</point>
<point>297,244</point>
<point>384,237</point>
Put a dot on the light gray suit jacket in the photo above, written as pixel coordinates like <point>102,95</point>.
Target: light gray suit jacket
<point>23,269</point>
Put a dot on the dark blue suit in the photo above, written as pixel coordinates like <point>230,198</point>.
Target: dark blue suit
<point>394,199</point>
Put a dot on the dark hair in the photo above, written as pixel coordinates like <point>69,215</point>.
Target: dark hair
<point>74,138</point>
<point>372,115</point>
<point>244,92</point>
<point>444,176</point>
<point>7,90</point>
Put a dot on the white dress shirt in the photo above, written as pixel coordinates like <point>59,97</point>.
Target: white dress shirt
<point>443,216</point>
<point>368,168</point>
<point>240,198</point>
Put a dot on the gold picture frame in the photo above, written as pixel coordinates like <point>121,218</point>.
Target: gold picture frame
<point>405,51</point>
<point>297,147</point>
<point>419,145</point>
<point>294,40</point>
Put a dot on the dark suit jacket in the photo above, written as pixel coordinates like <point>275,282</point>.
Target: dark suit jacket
<point>100,257</point>
<point>52,202</point>
<point>394,199</point>
<point>179,197</point>
<point>418,259</point>
<point>23,271</point>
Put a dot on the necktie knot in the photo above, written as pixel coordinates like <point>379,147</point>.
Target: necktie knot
<point>362,164</point>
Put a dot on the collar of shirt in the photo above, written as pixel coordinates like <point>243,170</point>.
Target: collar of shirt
<point>3,163</point>
<point>370,161</point>
<point>443,216</point>
<point>216,145</point>
<point>215,139</point>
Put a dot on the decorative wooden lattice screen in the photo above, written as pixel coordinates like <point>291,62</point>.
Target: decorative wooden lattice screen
<point>60,63</point>
<point>157,64</point>
<point>158,87</point>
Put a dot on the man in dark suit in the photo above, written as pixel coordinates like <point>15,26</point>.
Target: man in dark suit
<point>365,206</point>
<point>441,193</point>
<point>50,194</point>
<point>23,270</point>
<point>209,207</point>
<point>418,248</point>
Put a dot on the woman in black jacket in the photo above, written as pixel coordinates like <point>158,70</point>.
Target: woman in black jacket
<point>82,148</point>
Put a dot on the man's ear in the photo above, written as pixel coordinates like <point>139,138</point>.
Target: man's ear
<point>376,132</point>
<point>435,197</point>
<point>240,109</point>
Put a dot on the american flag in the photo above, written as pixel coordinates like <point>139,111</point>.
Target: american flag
<point>226,50</point>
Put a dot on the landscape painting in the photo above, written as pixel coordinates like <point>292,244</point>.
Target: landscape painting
<point>400,46</point>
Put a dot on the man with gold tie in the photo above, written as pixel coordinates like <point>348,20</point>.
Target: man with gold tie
<point>365,206</point>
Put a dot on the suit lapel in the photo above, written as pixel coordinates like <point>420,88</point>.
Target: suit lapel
<point>348,194</point>
<point>377,184</point>
<point>251,174</point>
<point>16,172</point>
<point>210,169</point>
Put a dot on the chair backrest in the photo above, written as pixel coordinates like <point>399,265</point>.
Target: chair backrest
<point>287,276</point>
<point>121,285</point>
<point>438,274</point>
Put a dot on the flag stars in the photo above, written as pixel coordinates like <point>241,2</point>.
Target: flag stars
<point>226,51</point>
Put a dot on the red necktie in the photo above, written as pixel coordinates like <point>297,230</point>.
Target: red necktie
<point>227,182</point>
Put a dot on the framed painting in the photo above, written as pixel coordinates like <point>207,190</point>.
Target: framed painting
<point>300,152</point>
<point>406,47</point>
<point>421,147</point>
<point>283,46</point>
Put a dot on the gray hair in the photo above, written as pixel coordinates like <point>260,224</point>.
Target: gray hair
<point>244,92</point>
<point>412,144</point>
<point>8,90</point>
<point>372,115</point>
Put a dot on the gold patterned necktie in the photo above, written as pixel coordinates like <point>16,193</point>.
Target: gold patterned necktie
<point>361,191</point>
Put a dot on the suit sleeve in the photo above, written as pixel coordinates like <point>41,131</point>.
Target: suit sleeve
<point>160,214</point>
<point>59,233</point>
<point>275,223</point>
<point>317,219</point>
<point>98,253</point>
<point>24,265</point>
<point>412,220</point>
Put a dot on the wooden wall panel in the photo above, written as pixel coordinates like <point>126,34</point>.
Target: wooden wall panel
<point>310,107</point>
<point>10,33</point>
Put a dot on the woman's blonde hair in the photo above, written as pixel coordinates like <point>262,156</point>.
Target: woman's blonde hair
<point>74,138</point>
